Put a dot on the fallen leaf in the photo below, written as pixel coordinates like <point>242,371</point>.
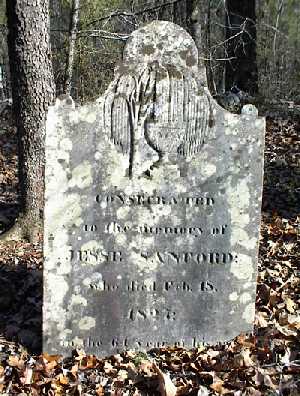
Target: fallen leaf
<point>294,321</point>
<point>217,386</point>
<point>74,369</point>
<point>290,305</point>
<point>28,376</point>
<point>122,375</point>
<point>166,386</point>
<point>251,392</point>
<point>203,391</point>
<point>263,378</point>
<point>100,391</point>
<point>51,365</point>
<point>260,319</point>
<point>117,392</point>
<point>248,362</point>
<point>63,379</point>
<point>286,330</point>
<point>51,358</point>
<point>146,366</point>
<point>109,368</point>
<point>15,361</point>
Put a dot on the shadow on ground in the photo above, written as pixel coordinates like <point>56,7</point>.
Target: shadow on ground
<point>21,306</point>
<point>281,194</point>
<point>8,214</point>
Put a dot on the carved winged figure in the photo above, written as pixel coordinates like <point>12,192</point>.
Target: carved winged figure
<point>159,103</point>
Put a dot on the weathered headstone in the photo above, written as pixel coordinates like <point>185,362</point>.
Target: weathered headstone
<point>152,208</point>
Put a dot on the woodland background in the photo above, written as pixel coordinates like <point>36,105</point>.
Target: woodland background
<point>104,26</point>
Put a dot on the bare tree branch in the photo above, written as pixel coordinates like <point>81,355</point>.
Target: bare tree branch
<point>132,14</point>
<point>103,34</point>
<point>280,8</point>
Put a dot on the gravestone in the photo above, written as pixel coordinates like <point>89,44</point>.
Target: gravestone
<point>152,208</point>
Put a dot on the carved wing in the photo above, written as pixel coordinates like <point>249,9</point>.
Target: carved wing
<point>196,114</point>
<point>118,113</point>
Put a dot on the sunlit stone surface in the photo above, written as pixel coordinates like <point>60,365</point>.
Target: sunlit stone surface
<point>152,210</point>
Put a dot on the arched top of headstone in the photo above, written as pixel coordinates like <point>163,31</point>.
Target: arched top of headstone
<point>158,97</point>
<point>163,42</point>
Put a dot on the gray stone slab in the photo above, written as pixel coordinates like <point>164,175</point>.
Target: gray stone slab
<point>152,209</point>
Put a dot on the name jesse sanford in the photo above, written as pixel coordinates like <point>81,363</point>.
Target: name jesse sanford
<point>98,256</point>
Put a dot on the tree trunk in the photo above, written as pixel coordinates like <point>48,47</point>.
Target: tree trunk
<point>72,42</point>
<point>241,70</point>
<point>32,92</point>
<point>198,25</point>
<point>176,11</point>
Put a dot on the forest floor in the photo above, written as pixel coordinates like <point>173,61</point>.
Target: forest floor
<point>264,363</point>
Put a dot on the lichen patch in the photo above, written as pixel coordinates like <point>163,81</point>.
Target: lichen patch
<point>86,323</point>
<point>81,176</point>
<point>242,268</point>
<point>249,312</point>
